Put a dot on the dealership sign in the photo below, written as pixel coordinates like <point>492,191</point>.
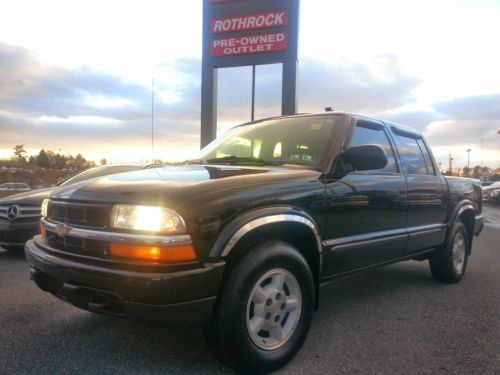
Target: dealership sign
<point>247,33</point>
<point>250,22</point>
<point>250,44</point>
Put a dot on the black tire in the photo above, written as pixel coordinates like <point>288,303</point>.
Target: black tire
<point>228,335</point>
<point>444,266</point>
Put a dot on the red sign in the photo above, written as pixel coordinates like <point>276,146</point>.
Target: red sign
<point>250,44</point>
<point>250,22</point>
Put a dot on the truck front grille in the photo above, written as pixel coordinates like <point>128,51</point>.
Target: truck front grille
<point>78,214</point>
<point>77,245</point>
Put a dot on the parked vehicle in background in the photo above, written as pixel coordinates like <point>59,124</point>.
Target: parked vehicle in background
<point>10,188</point>
<point>20,213</point>
<point>491,193</point>
<point>245,236</point>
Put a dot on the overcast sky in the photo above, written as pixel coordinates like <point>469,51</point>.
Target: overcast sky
<point>75,76</point>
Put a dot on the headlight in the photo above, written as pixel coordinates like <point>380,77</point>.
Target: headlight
<point>494,193</point>
<point>148,218</point>
<point>45,205</point>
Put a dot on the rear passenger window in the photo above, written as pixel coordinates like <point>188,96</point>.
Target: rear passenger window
<point>367,134</point>
<point>427,156</point>
<point>412,156</point>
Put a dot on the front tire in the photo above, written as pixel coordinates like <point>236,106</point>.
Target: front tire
<point>265,309</point>
<point>449,262</point>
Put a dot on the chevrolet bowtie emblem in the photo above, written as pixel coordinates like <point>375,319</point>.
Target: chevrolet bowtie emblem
<point>61,230</point>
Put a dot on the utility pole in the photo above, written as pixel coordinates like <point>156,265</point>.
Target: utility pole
<point>468,162</point>
<point>451,164</point>
<point>482,144</point>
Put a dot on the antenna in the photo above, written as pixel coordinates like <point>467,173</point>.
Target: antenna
<point>152,115</point>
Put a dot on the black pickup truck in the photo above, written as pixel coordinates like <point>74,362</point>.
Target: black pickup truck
<point>245,235</point>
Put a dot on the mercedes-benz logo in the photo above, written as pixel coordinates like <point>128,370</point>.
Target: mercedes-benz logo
<point>12,212</point>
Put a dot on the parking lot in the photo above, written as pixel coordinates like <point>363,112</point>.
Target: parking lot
<point>395,319</point>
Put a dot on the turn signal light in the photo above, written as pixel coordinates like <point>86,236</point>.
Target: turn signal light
<point>153,253</point>
<point>43,232</point>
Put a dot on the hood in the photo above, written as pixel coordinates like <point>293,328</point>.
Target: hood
<point>33,197</point>
<point>172,185</point>
<point>493,186</point>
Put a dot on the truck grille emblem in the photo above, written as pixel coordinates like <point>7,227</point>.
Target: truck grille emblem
<point>62,230</point>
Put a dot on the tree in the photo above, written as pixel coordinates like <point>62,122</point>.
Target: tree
<point>42,160</point>
<point>52,159</point>
<point>60,161</point>
<point>103,161</point>
<point>19,152</point>
<point>477,171</point>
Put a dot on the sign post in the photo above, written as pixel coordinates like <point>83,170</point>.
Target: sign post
<point>247,33</point>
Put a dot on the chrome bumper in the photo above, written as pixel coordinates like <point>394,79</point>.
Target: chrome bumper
<point>144,239</point>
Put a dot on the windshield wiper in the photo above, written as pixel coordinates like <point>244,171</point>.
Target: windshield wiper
<point>233,159</point>
<point>194,161</point>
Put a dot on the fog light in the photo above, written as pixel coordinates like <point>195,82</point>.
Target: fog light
<point>156,254</point>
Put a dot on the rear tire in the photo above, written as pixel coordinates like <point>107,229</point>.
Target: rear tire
<point>264,310</point>
<point>449,262</point>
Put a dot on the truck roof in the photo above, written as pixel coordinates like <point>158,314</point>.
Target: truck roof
<point>403,128</point>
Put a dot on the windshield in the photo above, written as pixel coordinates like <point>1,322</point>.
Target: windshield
<point>297,140</point>
<point>99,172</point>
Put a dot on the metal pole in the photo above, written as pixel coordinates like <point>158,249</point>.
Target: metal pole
<point>208,105</point>
<point>482,143</point>
<point>289,88</point>
<point>468,162</point>
<point>152,115</point>
<point>451,166</point>
<point>252,116</point>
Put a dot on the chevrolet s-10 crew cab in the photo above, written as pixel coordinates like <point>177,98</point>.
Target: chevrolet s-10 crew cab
<point>245,235</point>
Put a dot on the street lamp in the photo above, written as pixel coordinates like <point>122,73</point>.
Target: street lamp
<point>468,162</point>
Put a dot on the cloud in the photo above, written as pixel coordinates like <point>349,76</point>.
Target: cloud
<point>355,87</point>
<point>19,70</point>
<point>30,89</point>
<point>457,125</point>
<point>91,112</point>
<point>419,120</point>
<point>475,108</point>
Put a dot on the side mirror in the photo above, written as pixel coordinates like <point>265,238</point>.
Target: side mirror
<point>365,157</point>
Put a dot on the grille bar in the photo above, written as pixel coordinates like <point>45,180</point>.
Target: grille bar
<point>23,212</point>
<point>78,214</point>
<point>78,246</point>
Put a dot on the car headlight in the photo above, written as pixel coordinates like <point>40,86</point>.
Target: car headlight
<point>45,206</point>
<point>148,218</point>
<point>494,193</point>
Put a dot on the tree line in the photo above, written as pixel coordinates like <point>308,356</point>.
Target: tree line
<point>45,159</point>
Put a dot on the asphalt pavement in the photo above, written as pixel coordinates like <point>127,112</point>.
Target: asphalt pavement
<point>392,320</point>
